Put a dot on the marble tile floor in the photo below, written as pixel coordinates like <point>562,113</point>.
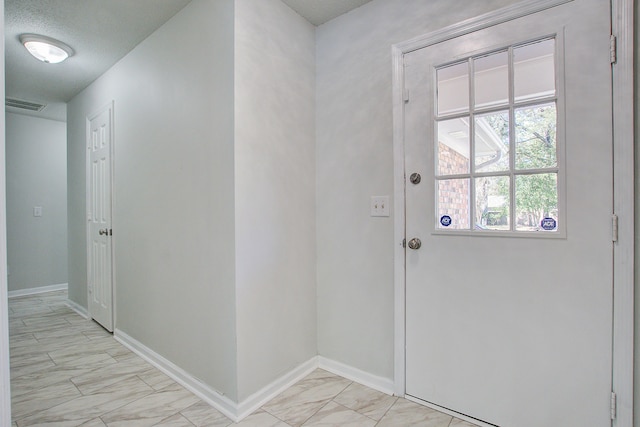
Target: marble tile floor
<point>68,371</point>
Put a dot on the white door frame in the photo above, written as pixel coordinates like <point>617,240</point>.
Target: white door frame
<point>624,198</point>
<point>110,107</point>
<point>5,389</point>
<point>623,156</point>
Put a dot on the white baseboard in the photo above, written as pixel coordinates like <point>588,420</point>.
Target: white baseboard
<point>77,308</point>
<point>213,397</point>
<point>238,411</point>
<point>37,290</point>
<point>234,411</point>
<point>259,398</point>
<point>384,385</point>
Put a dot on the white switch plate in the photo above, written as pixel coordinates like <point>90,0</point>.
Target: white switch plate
<point>37,211</point>
<point>379,205</point>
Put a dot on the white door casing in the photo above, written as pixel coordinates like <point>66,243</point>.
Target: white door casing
<point>623,157</point>
<point>540,321</point>
<point>5,375</point>
<point>99,216</point>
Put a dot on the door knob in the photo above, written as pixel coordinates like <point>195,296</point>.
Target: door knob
<point>414,243</point>
<point>415,178</point>
<point>103,232</point>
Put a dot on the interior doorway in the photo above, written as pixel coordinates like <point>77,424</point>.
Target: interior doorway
<point>99,216</point>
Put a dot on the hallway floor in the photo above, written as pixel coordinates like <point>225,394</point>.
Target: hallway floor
<point>68,371</point>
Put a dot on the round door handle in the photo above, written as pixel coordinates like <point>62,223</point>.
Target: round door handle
<point>415,178</point>
<point>414,243</point>
<point>103,232</point>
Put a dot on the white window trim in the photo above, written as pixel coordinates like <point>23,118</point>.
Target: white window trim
<point>472,111</point>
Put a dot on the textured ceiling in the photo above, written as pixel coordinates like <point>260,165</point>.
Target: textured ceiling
<point>320,11</point>
<point>101,32</point>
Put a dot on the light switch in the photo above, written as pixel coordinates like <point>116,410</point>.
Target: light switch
<point>37,211</point>
<point>379,205</point>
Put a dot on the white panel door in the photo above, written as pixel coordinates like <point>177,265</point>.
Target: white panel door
<point>99,215</point>
<point>509,296</point>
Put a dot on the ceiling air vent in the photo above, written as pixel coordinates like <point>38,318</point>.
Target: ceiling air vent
<point>23,105</point>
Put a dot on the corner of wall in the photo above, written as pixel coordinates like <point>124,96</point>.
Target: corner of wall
<point>274,149</point>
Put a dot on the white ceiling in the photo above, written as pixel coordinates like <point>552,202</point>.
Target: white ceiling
<point>320,11</point>
<point>101,32</point>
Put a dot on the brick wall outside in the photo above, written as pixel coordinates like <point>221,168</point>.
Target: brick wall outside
<point>453,194</point>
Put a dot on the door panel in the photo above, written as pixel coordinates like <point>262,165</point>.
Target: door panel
<point>100,257</point>
<point>510,327</point>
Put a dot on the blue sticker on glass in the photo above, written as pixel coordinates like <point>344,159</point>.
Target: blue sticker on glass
<point>445,220</point>
<point>548,224</point>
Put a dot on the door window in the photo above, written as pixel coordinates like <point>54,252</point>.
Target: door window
<point>497,142</point>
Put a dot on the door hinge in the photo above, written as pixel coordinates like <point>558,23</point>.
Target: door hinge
<point>614,228</point>
<point>110,232</point>
<point>614,405</point>
<point>613,51</point>
<point>405,95</point>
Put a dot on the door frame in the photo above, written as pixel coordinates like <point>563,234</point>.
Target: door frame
<point>5,375</point>
<point>623,191</point>
<point>107,107</point>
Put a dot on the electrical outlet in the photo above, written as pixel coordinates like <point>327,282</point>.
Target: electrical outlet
<point>379,205</point>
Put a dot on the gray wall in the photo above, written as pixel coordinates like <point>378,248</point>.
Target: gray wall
<point>275,192</point>
<point>36,173</point>
<point>354,160</point>
<point>174,202</point>
<point>175,158</point>
<point>214,215</point>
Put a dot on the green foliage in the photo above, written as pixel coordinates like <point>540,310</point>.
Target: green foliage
<point>535,148</point>
<point>535,136</point>
<point>536,197</point>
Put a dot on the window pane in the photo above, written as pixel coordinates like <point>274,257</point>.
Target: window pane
<point>492,203</point>
<point>492,142</point>
<point>453,204</point>
<point>453,89</point>
<point>534,70</point>
<point>535,129</point>
<point>491,74</point>
<point>537,202</point>
<point>453,147</point>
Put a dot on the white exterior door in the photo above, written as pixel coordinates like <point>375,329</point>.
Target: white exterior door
<point>509,296</point>
<point>99,216</point>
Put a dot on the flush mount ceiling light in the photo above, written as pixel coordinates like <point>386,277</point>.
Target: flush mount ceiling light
<point>46,49</point>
